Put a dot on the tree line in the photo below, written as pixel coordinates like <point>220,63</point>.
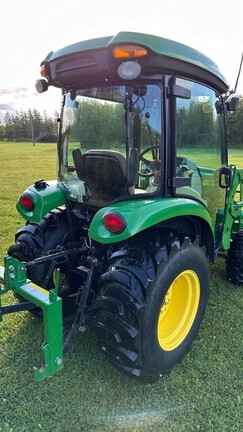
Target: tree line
<point>29,125</point>
<point>194,122</point>
<point>32,125</point>
<point>107,122</point>
<point>235,127</point>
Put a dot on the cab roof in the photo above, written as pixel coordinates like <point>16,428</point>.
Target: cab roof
<point>160,46</point>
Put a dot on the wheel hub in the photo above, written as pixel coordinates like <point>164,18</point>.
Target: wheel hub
<point>178,310</point>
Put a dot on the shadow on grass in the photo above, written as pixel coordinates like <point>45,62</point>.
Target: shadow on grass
<point>202,393</point>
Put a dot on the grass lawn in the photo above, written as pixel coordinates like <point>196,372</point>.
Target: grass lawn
<point>203,393</point>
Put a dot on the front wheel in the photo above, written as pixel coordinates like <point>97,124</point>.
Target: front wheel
<point>234,262</point>
<point>148,314</point>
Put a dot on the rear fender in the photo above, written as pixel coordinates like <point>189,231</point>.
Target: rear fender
<point>45,199</point>
<point>141,214</point>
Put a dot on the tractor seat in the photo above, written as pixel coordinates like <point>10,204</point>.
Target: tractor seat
<point>104,172</point>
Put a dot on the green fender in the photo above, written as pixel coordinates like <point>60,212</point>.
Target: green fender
<point>45,198</point>
<point>141,214</point>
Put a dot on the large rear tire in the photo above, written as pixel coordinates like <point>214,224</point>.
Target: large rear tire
<point>149,311</point>
<point>36,240</point>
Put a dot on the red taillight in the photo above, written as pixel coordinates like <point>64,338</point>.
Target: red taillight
<point>114,222</point>
<point>27,202</point>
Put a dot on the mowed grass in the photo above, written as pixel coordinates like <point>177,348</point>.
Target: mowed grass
<point>203,393</point>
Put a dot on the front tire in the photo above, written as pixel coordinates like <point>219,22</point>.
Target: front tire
<point>149,311</point>
<point>234,262</point>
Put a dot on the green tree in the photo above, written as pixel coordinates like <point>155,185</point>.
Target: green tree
<point>89,130</point>
<point>234,123</point>
<point>19,126</point>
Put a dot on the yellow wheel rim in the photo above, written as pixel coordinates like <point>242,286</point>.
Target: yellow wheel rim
<point>178,310</point>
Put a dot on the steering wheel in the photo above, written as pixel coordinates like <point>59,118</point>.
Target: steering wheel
<point>150,164</point>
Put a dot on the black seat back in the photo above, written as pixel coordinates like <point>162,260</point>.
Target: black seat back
<point>104,172</point>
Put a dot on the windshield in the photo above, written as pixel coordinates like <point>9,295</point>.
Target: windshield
<point>110,141</point>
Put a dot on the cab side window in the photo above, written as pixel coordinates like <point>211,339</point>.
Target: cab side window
<point>199,137</point>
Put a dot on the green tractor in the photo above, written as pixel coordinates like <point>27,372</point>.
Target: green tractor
<point>144,201</point>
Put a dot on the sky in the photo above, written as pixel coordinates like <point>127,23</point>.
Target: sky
<point>30,30</point>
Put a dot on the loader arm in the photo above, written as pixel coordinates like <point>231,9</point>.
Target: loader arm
<point>233,211</point>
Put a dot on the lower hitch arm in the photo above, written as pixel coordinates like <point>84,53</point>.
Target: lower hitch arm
<point>79,323</point>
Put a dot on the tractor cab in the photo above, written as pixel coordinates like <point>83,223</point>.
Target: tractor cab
<point>115,144</point>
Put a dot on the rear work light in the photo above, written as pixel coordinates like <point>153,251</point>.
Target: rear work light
<point>27,202</point>
<point>41,85</point>
<point>129,70</point>
<point>129,51</point>
<point>114,222</point>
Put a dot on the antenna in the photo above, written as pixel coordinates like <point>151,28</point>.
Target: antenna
<point>238,76</point>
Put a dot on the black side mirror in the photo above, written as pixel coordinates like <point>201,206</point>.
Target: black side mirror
<point>232,103</point>
<point>225,177</point>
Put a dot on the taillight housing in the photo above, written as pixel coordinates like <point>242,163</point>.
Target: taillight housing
<point>44,69</point>
<point>27,202</point>
<point>114,222</point>
<point>129,51</point>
